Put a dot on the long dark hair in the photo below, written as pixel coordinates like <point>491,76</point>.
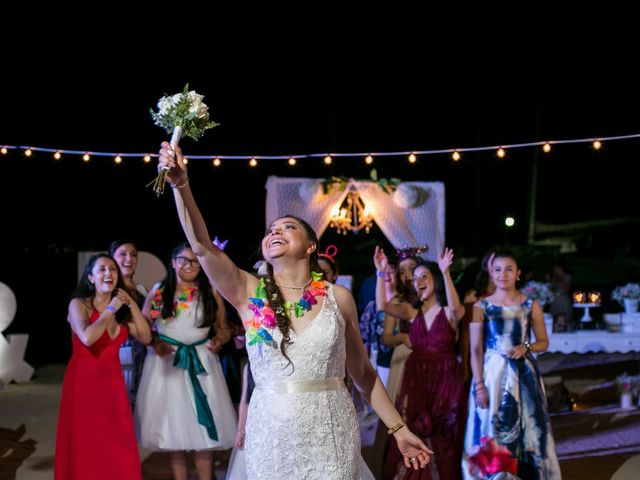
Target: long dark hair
<point>115,245</point>
<point>274,295</point>
<point>438,283</point>
<point>507,254</point>
<point>481,282</point>
<point>86,291</point>
<point>403,292</point>
<point>205,297</point>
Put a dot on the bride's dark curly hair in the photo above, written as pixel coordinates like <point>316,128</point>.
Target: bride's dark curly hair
<point>274,295</point>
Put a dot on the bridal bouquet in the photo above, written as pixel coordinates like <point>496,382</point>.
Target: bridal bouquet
<point>182,114</point>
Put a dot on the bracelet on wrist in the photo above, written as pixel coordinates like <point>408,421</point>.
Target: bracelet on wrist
<point>393,429</point>
<point>111,308</point>
<point>527,345</point>
<point>380,274</point>
<point>182,185</point>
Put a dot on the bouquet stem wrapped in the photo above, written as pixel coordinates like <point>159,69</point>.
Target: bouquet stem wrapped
<point>159,181</point>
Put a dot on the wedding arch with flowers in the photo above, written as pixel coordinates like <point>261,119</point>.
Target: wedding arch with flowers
<point>413,213</point>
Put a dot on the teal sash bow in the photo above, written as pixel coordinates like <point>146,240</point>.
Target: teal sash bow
<point>187,358</point>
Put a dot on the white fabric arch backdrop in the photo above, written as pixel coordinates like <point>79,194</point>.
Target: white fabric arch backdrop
<point>413,215</point>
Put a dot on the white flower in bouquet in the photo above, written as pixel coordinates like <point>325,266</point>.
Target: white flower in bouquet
<point>165,104</point>
<point>538,291</point>
<point>182,114</point>
<point>630,291</point>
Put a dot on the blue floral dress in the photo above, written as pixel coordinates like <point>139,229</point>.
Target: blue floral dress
<point>517,415</point>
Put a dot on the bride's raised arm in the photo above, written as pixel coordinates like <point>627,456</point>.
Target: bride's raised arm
<point>234,284</point>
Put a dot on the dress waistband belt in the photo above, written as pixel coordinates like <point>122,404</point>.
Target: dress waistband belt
<point>303,386</point>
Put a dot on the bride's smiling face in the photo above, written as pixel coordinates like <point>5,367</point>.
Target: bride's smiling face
<point>286,236</point>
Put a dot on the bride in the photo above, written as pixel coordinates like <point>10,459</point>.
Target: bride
<point>301,333</point>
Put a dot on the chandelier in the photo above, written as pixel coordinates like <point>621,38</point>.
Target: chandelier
<point>352,215</point>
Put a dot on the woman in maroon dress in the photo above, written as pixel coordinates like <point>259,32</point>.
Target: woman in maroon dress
<point>432,387</point>
<point>95,438</point>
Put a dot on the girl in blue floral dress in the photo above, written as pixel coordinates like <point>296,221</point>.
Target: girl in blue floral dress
<point>507,400</point>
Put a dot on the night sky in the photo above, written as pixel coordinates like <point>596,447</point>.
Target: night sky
<point>362,87</point>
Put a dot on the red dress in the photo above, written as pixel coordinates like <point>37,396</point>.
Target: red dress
<point>430,400</point>
<point>95,438</point>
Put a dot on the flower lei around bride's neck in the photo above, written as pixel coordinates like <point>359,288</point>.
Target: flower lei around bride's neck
<point>181,301</point>
<point>265,318</point>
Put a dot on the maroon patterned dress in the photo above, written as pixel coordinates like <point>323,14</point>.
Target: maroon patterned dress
<point>430,400</point>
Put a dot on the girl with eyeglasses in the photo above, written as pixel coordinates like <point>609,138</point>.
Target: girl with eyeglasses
<point>183,402</point>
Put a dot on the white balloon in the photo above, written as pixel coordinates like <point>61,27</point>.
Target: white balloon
<point>8,306</point>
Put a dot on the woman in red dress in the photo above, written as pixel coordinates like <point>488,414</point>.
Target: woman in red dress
<point>95,438</point>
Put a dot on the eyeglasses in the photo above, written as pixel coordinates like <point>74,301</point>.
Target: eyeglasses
<point>183,261</point>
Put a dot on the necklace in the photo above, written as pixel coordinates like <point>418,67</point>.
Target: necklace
<point>182,299</point>
<point>264,316</point>
<point>295,288</point>
<point>317,288</point>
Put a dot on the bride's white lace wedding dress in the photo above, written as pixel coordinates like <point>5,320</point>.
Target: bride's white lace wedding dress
<point>302,423</point>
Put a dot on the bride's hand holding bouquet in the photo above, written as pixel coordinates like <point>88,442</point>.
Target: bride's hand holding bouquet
<point>172,164</point>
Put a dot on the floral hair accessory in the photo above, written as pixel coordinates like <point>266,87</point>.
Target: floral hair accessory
<point>261,267</point>
<point>219,244</point>
<point>182,114</point>
<point>407,252</point>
